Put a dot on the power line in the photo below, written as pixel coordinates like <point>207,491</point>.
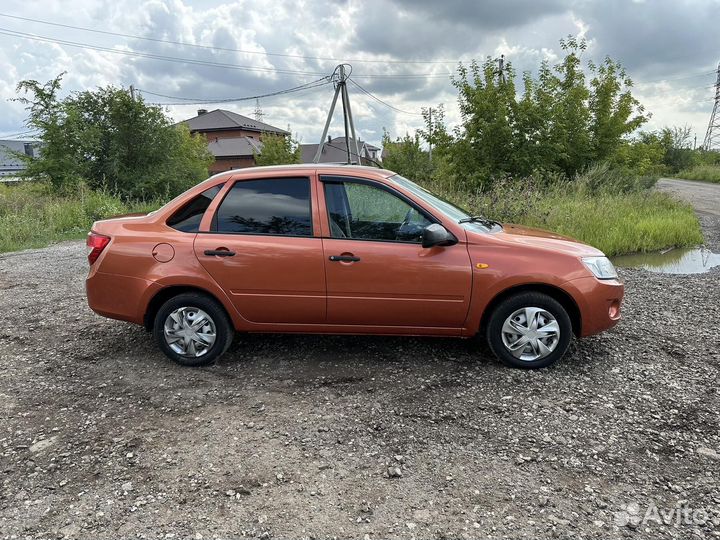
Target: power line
<point>383,102</point>
<point>199,101</point>
<point>18,134</point>
<point>227,49</point>
<point>130,52</point>
<point>206,63</point>
<point>678,78</point>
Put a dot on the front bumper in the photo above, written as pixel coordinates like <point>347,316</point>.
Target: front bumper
<point>599,302</point>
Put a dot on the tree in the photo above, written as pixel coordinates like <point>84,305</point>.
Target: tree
<point>278,150</point>
<point>406,157</point>
<point>614,112</point>
<point>558,122</point>
<point>106,139</point>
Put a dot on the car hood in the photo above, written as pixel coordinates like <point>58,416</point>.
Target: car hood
<point>519,235</point>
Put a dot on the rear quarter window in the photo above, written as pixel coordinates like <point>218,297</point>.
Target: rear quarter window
<point>187,218</point>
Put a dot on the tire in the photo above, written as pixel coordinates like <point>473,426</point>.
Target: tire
<point>508,324</point>
<point>204,343</point>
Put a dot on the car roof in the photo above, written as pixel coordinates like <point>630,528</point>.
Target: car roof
<point>327,168</point>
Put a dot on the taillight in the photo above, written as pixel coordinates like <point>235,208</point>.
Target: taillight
<point>95,244</point>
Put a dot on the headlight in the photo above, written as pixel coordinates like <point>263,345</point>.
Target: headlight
<point>601,267</point>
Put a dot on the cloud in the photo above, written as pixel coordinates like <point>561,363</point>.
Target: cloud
<point>670,41</point>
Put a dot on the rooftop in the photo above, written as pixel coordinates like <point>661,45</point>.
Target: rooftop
<point>234,146</point>
<point>10,164</point>
<point>220,119</point>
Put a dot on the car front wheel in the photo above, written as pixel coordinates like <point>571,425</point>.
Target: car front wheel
<point>529,330</point>
<point>192,329</point>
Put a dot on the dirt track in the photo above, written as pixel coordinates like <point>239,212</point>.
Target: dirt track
<point>704,196</point>
<point>315,437</point>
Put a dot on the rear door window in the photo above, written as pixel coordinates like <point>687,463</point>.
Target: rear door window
<point>273,206</point>
<point>188,217</point>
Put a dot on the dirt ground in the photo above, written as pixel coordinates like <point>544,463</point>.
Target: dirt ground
<point>101,437</point>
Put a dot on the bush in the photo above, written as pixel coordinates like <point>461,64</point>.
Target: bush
<point>31,215</point>
<point>704,173</point>
<point>602,178</point>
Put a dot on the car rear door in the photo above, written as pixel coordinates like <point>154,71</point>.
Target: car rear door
<point>378,273</point>
<point>263,247</point>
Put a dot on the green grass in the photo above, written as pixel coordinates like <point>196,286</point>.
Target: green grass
<point>32,216</point>
<point>704,173</point>
<point>617,224</point>
<point>636,219</point>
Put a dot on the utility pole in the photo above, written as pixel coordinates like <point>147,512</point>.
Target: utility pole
<point>259,114</point>
<point>430,126</point>
<point>132,92</point>
<point>501,69</point>
<point>712,137</point>
<point>340,77</point>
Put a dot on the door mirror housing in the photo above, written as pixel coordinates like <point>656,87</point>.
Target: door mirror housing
<point>437,235</point>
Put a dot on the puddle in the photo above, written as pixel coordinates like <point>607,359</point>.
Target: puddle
<point>674,261</point>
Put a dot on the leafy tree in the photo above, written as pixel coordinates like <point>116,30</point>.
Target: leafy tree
<point>486,100</point>
<point>643,155</point>
<point>679,153</point>
<point>614,112</point>
<point>559,122</point>
<point>106,139</point>
<point>406,157</point>
<point>278,150</point>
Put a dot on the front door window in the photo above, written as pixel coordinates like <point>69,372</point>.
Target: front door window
<point>364,212</point>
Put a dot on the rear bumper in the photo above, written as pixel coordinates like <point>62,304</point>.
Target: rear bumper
<point>599,303</point>
<point>119,297</point>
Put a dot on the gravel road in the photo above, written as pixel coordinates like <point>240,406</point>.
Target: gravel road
<point>704,196</point>
<point>355,437</point>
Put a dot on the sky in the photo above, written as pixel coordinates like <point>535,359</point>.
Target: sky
<point>402,53</point>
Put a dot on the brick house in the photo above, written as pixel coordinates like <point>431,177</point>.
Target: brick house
<point>232,138</point>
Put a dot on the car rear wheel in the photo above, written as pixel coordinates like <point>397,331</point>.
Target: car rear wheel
<point>192,329</point>
<point>529,330</point>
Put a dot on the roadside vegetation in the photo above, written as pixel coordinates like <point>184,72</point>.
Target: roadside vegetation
<point>615,220</point>
<point>103,153</point>
<point>33,214</point>
<point>566,154</point>
<point>703,173</point>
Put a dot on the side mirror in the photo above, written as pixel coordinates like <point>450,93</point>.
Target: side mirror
<point>437,235</point>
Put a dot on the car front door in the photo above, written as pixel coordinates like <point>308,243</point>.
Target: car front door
<point>264,250</point>
<point>377,272</point>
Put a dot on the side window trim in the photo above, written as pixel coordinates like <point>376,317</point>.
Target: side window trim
<point>213,228</point>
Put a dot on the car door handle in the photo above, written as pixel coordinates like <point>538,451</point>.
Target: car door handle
<point>343,258</point>
<point>219,253</point>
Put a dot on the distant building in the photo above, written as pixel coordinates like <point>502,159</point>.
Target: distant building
<point>335,151</point>
<point>11,165</point>
<point>232,138</point>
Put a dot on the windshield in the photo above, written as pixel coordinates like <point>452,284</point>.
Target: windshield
<point>451,210</point>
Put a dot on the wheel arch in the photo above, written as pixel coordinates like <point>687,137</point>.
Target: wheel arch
<point>166,293</point>
<point>562,296</point>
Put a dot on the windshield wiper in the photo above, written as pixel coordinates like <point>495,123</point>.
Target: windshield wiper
<point>489,223</point>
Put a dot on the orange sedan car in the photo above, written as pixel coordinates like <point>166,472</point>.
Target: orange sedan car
<point>340,249</point>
